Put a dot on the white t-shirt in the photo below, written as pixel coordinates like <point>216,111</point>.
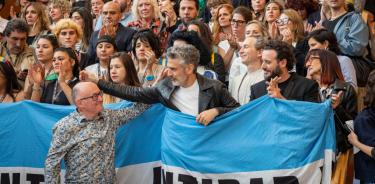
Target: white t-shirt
<point>101,72</point>
<point>239,88</point>
<point>186,99</point>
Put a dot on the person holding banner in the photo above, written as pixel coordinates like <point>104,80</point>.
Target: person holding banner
<point>323,66</point>
<point>183,89</point>
<point>85,139</point>
<point>278,61</point>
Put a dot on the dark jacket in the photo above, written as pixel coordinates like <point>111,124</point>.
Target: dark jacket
<point>124,36</point>
<point>298,88</point>
<point>364,127</point>
<point>347,110</point>
<point>212,94</point>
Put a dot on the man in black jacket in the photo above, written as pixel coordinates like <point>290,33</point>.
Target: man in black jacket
<point>278,60</point>
<point>111,14</point>
<point>182,90</point>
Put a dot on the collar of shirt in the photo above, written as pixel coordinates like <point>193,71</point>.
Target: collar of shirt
<point>81,119</point>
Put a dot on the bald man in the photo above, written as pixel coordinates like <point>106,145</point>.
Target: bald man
<point>85,139</point>
<point>111,15</point>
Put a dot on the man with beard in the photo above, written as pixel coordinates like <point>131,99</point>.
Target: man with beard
<point>278,60</point>
<point>183,89</point>
<point>15,48</point>
<point>188,11</point>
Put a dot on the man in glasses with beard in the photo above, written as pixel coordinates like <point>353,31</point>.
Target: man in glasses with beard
<point>280,82</point>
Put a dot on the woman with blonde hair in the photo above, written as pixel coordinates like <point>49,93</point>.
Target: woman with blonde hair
<point>58,9</point>
<point>36,17</point>
<point>69,34</point>
<point>148,16</point>
<point>257,29</point>
<point>290,26</point>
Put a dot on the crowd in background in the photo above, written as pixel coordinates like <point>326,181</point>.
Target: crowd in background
<point>305,50</point>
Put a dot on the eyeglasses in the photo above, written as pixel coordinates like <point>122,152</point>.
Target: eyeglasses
<point>237,22</point>
<point>282,21</point>
<point>94,97</point>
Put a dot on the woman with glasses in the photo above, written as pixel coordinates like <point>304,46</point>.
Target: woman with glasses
<point>146,53</point>
<point>121,71</point>
<point>324,67</point>
<point>324,39</point>
<point>273,10</point>
<point>10,89</point>
<point>105,47</point>
<point>241,16</point>
<point>290,26</point>
<point>58,91</point>
<point>37,19</point>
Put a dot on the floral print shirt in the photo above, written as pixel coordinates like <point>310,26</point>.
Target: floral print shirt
<point>87,146</point>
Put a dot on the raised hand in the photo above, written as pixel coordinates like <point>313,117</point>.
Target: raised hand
<point>287,36</point>
<point>88,76</point>
<point>273,88</point>
<point>36,73</point>
<point>336,99</point>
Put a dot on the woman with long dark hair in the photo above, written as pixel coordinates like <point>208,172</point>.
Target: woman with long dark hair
<point>121,71</point>
<point>324,39</point>
<point>58,91</point>
<point>83,17</point>
<point>10,89</point>
<point>324,67</point>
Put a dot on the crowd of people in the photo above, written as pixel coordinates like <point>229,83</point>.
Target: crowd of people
<point>201,57</point>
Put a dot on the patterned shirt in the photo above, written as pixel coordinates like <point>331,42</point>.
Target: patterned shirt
<point>87,146</point>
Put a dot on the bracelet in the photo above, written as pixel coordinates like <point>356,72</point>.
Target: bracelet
<point>37,88</point>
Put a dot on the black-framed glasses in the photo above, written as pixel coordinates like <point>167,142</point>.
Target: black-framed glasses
<point>282,21</point>
<point>237,22</point>
<point>94,97</point>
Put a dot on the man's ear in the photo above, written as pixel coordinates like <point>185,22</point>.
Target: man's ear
<point>282,63</point>
<point>189,68</point>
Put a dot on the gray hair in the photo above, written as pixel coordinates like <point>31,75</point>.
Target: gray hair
<point>187,53</point>
<point>75,92</point>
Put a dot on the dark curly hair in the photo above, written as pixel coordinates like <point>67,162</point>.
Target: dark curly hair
<point>192,37</point>
<point>18,25</point>
<point>148,36</point>
<point>283,50</point>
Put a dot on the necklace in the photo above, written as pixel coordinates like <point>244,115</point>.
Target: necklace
<point>57,91</point>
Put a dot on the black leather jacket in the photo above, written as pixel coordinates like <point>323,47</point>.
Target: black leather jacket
<point>212,94</point>
<point>347,110</point>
